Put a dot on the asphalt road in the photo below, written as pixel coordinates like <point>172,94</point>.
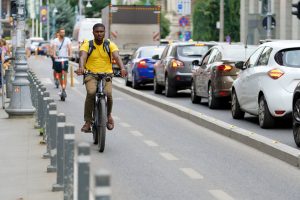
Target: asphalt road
<point>282,132</point>
<point>155,155</point>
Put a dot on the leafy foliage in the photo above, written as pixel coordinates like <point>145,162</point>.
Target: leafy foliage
<point>206,14</point>
<point>65,16</point>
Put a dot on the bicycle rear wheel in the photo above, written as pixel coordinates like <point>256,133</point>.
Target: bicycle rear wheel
<point>101,129</point>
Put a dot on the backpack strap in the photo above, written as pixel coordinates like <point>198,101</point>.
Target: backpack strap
<point>106,48</point>
<point>91,48</point>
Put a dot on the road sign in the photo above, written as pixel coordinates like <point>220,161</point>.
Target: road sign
<point>265,23</point>
<point>187,35</point>
<point>183,21</point>
<point>179,7</point>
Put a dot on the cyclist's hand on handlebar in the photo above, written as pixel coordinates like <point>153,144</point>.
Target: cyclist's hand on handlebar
<point>123,73</point>
<point>79,71</point>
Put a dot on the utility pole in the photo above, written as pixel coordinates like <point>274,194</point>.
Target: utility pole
<point>269,21</point>
<point>221,33</point>
<point>20,103</point>
<point>41,24</point>
<point>48,21</point>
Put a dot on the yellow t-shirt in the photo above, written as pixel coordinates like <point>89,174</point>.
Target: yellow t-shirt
<point>98,61</point>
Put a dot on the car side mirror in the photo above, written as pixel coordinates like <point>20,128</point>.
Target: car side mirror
<point>240,65</point>
<point>155,57</point>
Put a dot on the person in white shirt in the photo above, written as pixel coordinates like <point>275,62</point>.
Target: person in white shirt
<point>61,52</point>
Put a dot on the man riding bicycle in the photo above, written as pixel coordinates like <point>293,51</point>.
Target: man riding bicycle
<point>98,61</point>
<point>61,52</point>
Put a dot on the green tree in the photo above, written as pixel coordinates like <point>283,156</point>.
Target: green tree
<point>206,14</point>
<point>65,16</point>
<point>164,26</point>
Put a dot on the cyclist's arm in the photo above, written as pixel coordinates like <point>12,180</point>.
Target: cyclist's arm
<point>82,61</point>
<point>70,49</point>
<point>118,59</point>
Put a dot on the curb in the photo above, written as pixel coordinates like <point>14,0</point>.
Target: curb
<point>271,147</point>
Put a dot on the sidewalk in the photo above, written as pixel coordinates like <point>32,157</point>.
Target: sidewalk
<point>23,173</point>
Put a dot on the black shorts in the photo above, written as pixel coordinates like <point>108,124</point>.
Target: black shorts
<point>58,66</point>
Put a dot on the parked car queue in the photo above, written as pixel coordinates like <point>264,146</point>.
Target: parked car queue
<point>260,80</point>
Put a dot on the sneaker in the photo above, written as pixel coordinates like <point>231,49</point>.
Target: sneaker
<point>86,128</point>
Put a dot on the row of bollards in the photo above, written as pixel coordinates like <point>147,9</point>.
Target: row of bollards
<point>59,138</point>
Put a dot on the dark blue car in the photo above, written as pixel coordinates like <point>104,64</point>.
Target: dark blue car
<point>140,67</point>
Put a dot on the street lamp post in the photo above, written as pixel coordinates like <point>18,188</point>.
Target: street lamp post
<point>54,20</point>
<point>20,104</point>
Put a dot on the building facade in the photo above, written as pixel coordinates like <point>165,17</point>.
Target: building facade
<point>253,13</point>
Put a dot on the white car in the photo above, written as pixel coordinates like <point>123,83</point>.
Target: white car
<point>267,81</point>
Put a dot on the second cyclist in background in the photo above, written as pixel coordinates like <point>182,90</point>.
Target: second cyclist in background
<point>62,52</point>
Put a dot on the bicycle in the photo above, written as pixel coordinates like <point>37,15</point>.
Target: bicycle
<point>100,110</point>
<point>61,76</point>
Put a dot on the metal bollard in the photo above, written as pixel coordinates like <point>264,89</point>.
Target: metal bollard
<point>69,162</point>
<point>102,185</point>
<point>44,107</point>
<point>8,79</point>
<point>46,126</point>
<point>83,161</point>
<point>52,107</point>
<point>38,97</point>
<point>59,185</point>
<point>40,105</point>
<point>51,137</point>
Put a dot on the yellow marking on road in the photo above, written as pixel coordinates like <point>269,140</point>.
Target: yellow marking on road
<point>220,195</point>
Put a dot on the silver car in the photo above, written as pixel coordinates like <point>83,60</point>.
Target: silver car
<point>267,81</point>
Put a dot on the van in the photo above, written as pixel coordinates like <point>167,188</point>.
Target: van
<point>83,30</point>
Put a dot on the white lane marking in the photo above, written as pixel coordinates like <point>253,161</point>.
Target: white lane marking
<point>78,92</point>
<point>191,173</point>
<point>168,156</point>
<point>46,81</point>
<point>220,195</point>
<point>116,117</point>
<point>136,133</point>
<point>125,124</point>
<point>150,143</point>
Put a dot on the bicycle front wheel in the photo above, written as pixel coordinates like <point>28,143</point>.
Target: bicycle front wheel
<point>102,124</point>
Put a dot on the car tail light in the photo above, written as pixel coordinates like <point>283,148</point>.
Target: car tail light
<point>223,93</point>
<point>142,64</point>
<point>275,73</point>
<point>224,68</point>
<point>279,112</point>
<point>177,63</point>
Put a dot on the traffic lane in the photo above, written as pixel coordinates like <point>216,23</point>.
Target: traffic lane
<point>140,170</point>
<point>282,131</point>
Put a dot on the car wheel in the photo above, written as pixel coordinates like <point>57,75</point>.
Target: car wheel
<point>296,122</point>
<point>156,87</point>
<point>134,83</point>
<point>265,118</point>
<point>236,110</point>
<point>213,102</point>
<point>194,97</point>
<point>127,82</point>
<point>169,90</point>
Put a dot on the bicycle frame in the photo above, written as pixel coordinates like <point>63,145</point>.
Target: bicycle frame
<point>100,112</point>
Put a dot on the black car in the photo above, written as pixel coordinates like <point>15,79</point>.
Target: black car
<point>296,115</point>
<point>173,71</point>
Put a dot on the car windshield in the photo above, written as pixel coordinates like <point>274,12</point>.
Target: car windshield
<point>237,52</point>
<point>190,51</point>
<point>151,51</point>
<point>288,57</point>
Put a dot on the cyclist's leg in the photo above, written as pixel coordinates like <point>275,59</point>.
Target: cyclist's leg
<point>57,70</point>
<point>108,91</point>
<point>91,87</point>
